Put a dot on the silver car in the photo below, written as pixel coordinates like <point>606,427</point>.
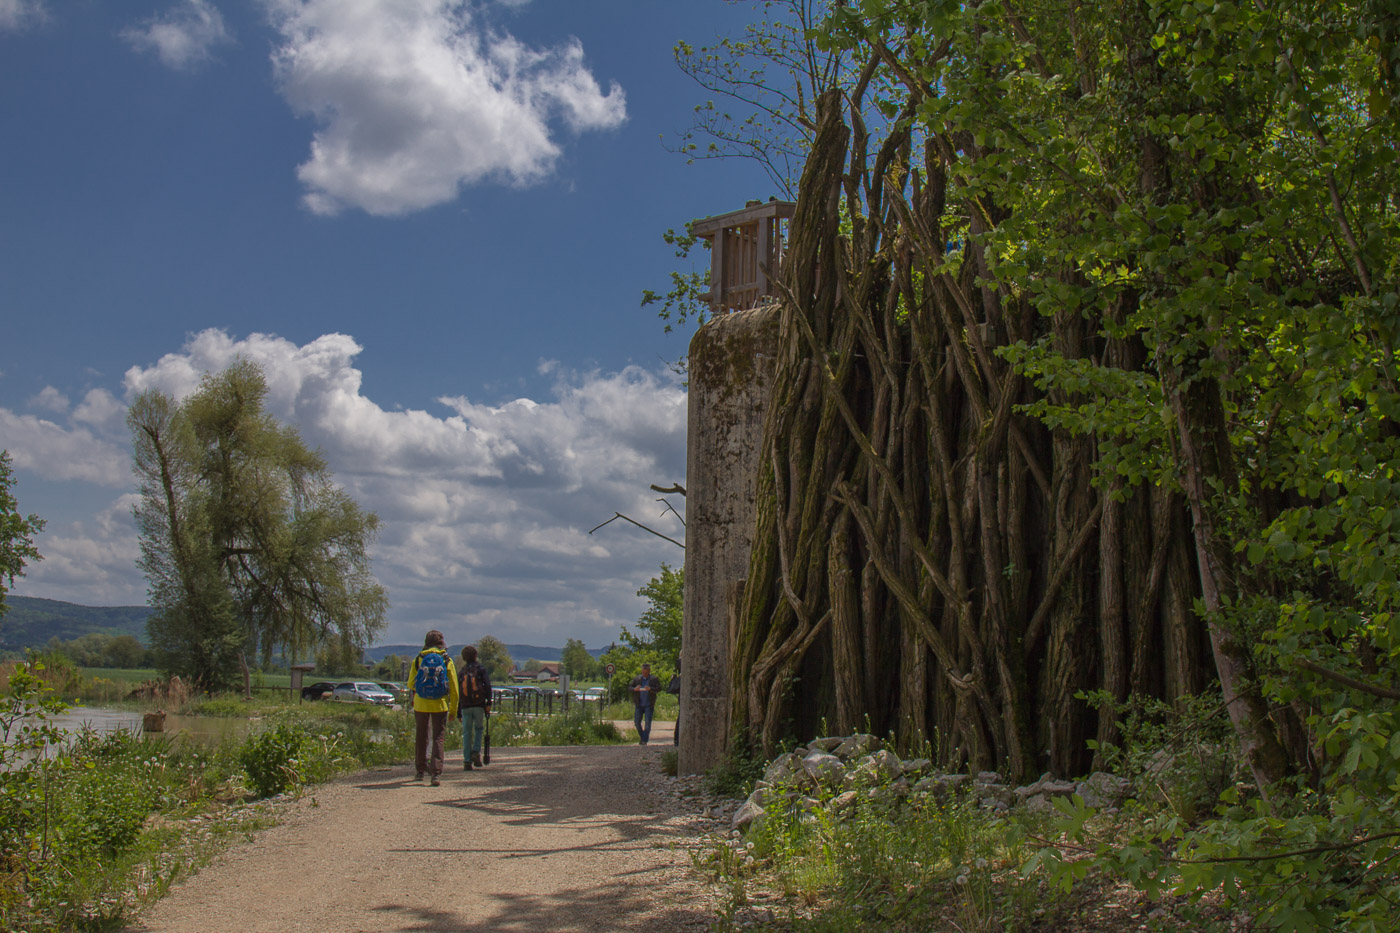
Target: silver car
<point>364,692</point>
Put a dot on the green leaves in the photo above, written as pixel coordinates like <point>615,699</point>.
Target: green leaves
<point>248,544</point>
<point>16,532</point>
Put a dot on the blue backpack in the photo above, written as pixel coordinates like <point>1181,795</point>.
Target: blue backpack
<point>431,681</point>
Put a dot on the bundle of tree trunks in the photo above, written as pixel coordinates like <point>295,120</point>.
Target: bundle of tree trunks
<point>931,562</point>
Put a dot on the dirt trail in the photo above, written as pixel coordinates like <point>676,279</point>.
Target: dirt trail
<point>545,839</point>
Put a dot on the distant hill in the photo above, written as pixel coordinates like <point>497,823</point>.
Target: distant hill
<point>518,653</point>
<point>31,622</point>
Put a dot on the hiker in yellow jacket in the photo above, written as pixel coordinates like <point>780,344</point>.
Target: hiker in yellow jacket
<point>432,682</point>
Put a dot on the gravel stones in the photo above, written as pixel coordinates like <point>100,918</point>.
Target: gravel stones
<point>833,773</point>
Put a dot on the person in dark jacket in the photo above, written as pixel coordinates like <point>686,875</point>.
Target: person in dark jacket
<point>645,687</point>
<point>474,706</point>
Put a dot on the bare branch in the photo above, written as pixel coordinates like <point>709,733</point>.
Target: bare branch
<point>617,515</point>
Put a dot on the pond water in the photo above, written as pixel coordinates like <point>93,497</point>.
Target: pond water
<point>206,730</point>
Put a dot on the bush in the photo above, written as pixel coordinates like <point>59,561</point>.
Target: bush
<point>273,760</point>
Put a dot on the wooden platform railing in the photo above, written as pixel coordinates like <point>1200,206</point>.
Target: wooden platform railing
<point>746,253</point>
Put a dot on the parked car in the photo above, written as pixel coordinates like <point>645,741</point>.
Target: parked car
<point>363,692</point>
<point>317,690</point>
<point>594,695</point>
<point>502,693</point>
<point>397,690</point>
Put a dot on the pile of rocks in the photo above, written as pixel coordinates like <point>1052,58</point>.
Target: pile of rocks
<point>841,769</point>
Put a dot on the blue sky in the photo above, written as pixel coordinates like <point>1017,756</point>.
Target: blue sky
<point>429,220</point>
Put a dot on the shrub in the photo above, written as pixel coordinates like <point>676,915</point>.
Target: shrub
<point>273,760</point>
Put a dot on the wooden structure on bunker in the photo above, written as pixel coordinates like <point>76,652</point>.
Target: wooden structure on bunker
<point>746,250</point>
<point>922,557</point>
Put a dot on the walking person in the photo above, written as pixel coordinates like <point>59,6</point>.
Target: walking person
<point>432,683</point>
<point>474,706</point>
<point>645,687</point>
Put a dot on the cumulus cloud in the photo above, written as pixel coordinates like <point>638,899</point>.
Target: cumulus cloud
<point>17,14</point>
<point>101,409</point>
<point>183,37</point>
<point>486,506</point>
<point>63,452</point>
<point>51,400</point>
<point>93,562</point>
<point>415,98</point>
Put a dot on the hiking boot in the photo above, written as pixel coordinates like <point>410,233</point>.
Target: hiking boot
<point>466,766</point>
<point>435,782</point>
<point>418,776</point>
<point>476,759</point>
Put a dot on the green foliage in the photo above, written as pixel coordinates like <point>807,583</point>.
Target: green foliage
<point>248,545</point>
<point>30,622</point>
<point>873,860</point>
<point>686,299</point>
<point>742,766</point>
<point>1211,188</point>
<point>579,664</point>
<point>78,846</point>
<point>491,653</point>
<point>16,532</point>
<point>98,649</point>
<point>577,727</point>
<point>659,627</point>
<point>1179,756</point>
<point>273,759</point>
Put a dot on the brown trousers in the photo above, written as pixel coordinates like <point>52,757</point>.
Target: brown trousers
<point>429,727</point>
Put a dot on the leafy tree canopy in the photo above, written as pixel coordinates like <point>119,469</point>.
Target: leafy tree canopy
<point>492,654</point>
<point>16,532</point>
<point>659,627</point>
<point>248,545</point>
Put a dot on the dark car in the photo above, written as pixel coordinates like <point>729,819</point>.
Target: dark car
<point>317,690</point>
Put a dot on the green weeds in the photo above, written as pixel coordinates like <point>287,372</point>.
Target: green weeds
<point>876,860</point>
<point>577,727</point>
<point>93,825</point>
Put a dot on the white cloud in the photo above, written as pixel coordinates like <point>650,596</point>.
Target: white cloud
<point>486,507</point>
<point>416,98</point>
<point>183,37</point>
<point>17,14</point>
<point>100,409</point>
<point>63,453</point>
<point>91,563</point>
<point>52,400</point>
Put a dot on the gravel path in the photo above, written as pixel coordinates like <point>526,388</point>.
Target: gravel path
<point>545,839</point>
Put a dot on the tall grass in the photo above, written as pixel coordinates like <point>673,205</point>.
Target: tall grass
<point>577,727</point>
<point>876,861</point>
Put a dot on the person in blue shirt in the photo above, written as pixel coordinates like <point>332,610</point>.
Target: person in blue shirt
<point>645,687</point>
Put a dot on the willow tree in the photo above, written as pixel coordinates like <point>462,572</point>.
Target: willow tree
<point>1081,307</point>
<point>247,543</point>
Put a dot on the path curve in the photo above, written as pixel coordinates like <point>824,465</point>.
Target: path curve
<point>567,839</point>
